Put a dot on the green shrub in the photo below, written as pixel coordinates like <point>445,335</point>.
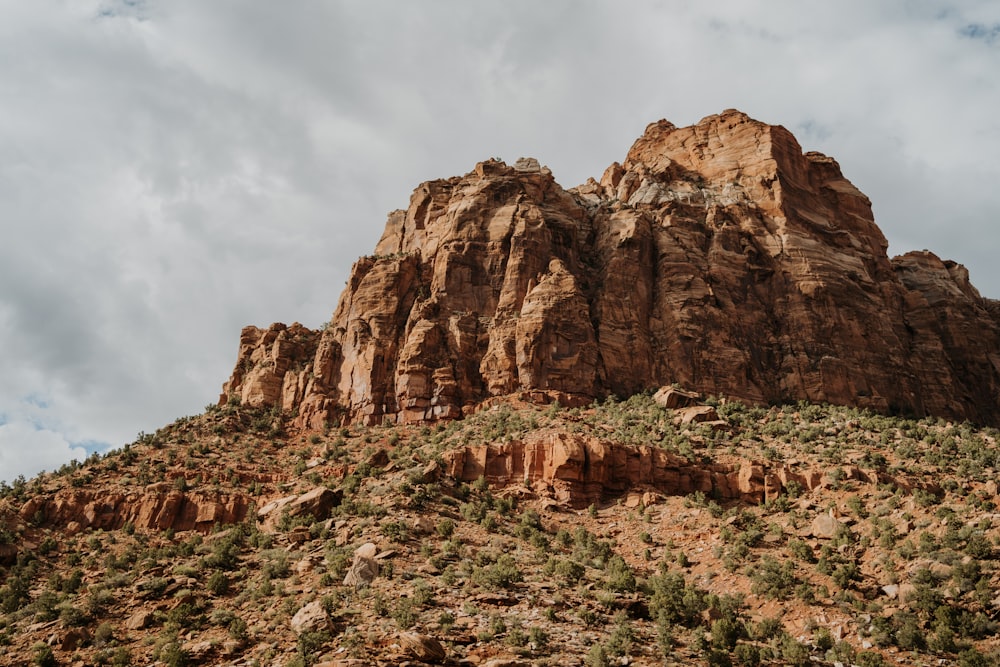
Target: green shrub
<point>42,656</point>
<point>174,655</point>
<point>597,656</point>
<point>505,573</point>
<point>218,583</point>
<point>405,614</point>
<point>620,577</point>
<point>445,528</point>
<point>773,579</point>
<point>673,600</point>
<point>622,636</point>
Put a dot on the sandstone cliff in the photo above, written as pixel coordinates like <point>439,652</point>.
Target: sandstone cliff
<point>717,256</point>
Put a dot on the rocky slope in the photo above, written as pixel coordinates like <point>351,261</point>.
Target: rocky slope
<point>717,256</point>
<point>847,538</point>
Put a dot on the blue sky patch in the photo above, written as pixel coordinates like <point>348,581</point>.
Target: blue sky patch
<point>37,400</point>
<point>982,32</point>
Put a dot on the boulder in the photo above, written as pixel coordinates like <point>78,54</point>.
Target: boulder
<point>824,526</point>
<point>316,503</point>
<point>422,647</point>
<point>696,414</point>
<point>364,568</point>
<point>140,620</point>
<point>672,398</point>
<point>311,618</point>
<point>73,639</point>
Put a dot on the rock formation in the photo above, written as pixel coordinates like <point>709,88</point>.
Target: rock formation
<point>158,507</point>
<point>577,470</point>
<point>718,256</point>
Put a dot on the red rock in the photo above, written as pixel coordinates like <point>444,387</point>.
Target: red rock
<point>73,639</point>
<point>825,526</point>
<point>311,618</point>
<point>717,256</point>
<point>140,619</point>
<point>578,470</point>
<point>316,503</point>
<point>672,398</point>
<point>153,509</point>
<point>422,647</point>
<point>697,414</point>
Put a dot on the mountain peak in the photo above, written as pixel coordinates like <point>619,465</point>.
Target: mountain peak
<point>719,256</point>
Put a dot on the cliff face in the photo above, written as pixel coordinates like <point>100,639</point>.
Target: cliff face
<point>717,256</point>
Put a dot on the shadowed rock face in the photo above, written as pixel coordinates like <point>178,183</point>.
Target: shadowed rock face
<point>717,256</point>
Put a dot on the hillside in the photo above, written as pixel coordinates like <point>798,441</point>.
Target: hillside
<point>858,539</point>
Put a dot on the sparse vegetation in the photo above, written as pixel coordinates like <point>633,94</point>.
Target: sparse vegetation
<point>908,566</point>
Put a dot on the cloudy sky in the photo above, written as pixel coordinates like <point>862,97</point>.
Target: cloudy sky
<point>173,170</point>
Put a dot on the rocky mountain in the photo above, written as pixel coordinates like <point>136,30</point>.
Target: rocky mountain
<point>718,256</point>
<point>331,510</point>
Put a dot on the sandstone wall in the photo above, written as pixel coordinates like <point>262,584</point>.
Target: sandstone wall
<point>718,256</point>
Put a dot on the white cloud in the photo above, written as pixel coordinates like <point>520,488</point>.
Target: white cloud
<point>171,171</point>
<point>25,450</point>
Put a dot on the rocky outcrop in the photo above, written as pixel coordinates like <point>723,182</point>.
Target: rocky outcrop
<point>315,503</point>
<point>718,256</point>
<point>274,366</point>
<point>158,507</point>
<point>576,470</point>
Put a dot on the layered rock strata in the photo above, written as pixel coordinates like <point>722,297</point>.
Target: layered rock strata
<point>158,507</point>
<point>577,470</point>
<point>718,256</point>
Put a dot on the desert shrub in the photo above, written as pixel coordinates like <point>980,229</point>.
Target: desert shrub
<point>394,530</point>
<point>218,583</point>
<point>445,528</point>
<point>504,573</point>
<point>801,550</point>
<point>15,593</point>
<point>71,616</point>
<point>276,564</point>
<point>675,601</point>
<point>907,633</point>
<point>155,587</point>
<point>793,652</point>
<point>773,579</point>
<point>569,570</point>
<point>225,552</point>
<point>309,645</point>
<point>845,574</point>
<point>588,547</point>
<point>597,656</point>
<point>747,655</point>
<point>174,655</point>
<point>622,636</point>
<point>405,614</point>
<point>46,607</point>
<point>870,659</point>
<point>104,634</point>
<point>620,577</point>
<point>42,656</point>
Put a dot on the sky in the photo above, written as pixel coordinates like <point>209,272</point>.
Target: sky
<point>171,171</point>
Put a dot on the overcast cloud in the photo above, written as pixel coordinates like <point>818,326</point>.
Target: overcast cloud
<point>172,171</point>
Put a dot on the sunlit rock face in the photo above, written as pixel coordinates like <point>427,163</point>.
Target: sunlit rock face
<point>717,256</point>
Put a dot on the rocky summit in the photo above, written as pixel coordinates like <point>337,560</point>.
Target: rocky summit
<point>717,256</point>
<point>534,433</point>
